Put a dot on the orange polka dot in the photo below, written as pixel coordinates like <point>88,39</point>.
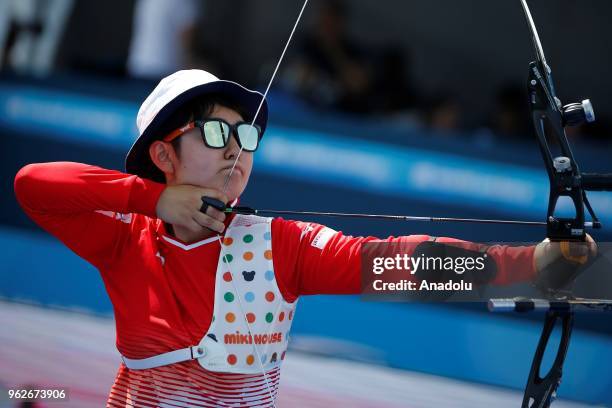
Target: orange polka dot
<point>230,317</point>
<point>231,359</point>
<point>228,241</point>
<point>250,317</point>
<point>269,296</point>
<point>268,254</point>
<point>227,277</point>
<point>247,256</point>
<point>250,359</point>
<point>281,316</point>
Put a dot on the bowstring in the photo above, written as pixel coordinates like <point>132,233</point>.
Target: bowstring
<point>226,184</point>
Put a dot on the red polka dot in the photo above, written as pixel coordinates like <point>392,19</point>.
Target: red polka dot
<point>227,277</point>
<point>269,296</point>
<point>281,316</point>
<point>247,256</point>
<point>268,254</point>
<point>250,317</point>
<point>291,315</point>
<point>231,359</point>
<point>230,317</point>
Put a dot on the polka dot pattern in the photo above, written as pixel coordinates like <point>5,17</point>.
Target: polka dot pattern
<point>246,280</point>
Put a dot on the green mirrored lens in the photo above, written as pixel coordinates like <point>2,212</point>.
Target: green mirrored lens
<point>216,133</point>
<point>249,136</point>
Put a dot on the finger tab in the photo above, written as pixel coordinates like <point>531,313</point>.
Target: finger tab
<point>212,202</point>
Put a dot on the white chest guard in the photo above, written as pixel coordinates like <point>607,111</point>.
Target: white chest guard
<point>251,319</point>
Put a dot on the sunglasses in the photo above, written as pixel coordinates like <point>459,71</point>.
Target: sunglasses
<point>216,133</point>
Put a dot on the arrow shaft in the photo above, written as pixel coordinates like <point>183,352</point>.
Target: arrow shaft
<point>243,210</point>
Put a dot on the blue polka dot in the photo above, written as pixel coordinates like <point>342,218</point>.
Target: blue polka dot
<point>267,236</point>
<point>269,275</point>
<point>249,297</point>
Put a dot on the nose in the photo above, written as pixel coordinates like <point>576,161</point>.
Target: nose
<point>232,148</point>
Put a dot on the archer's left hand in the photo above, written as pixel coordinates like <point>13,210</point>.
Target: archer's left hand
<point>557,263</point>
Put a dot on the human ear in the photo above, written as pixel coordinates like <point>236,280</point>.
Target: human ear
<point>163,156</point>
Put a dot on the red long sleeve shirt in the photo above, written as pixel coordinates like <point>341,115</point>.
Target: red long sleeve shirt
<point>108,218</point>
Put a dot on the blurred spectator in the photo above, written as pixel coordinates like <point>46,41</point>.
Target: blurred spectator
<point>329,69</point>
<point>392,91</point>
<point>510,117</point>
<point>29,33</point>
<point>443,113</point>
<point>162,37</point>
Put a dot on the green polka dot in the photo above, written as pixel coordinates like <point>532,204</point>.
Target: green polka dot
<point>269,317</point>
<point>248,238</point>
<point>228,258</point>
<point>229,297</point>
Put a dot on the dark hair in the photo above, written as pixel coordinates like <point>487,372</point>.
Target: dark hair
<point>198,109</point>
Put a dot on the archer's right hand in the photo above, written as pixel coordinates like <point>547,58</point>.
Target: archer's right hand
<point>180,205</point>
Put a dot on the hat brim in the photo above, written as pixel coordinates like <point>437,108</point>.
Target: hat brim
<point>138,161</point>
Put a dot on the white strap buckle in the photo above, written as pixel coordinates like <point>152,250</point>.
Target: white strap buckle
<point>171,357</point>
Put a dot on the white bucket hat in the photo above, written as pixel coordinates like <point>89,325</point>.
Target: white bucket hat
<point>170,95</point>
